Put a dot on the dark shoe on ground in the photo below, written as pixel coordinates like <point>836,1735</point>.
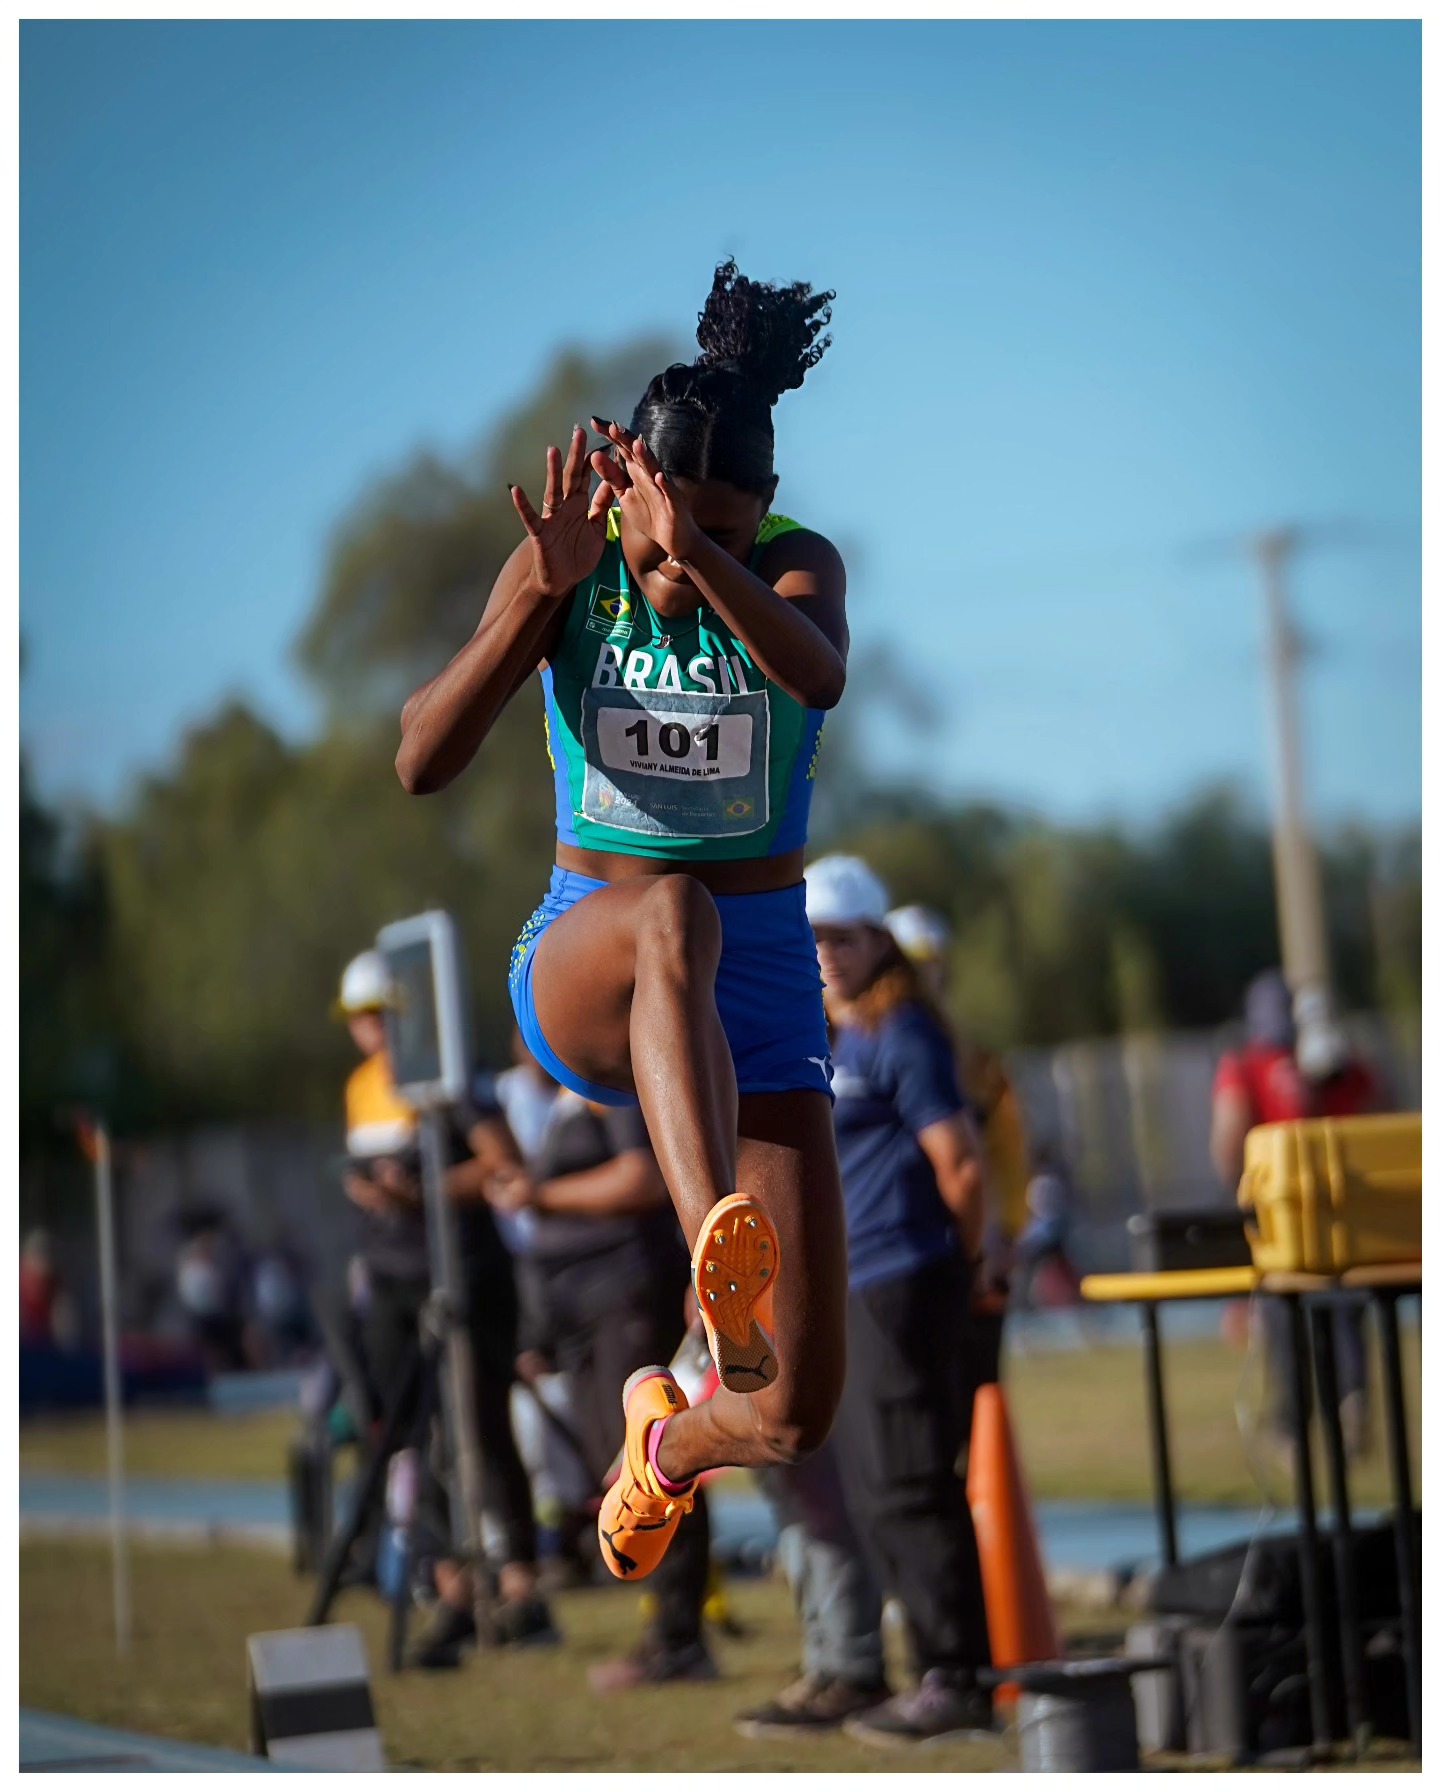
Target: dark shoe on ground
<point>812,1704</point>
<point>525,1623</point>
<point>520,1623</point>
<point>940,1708</point>
<point>449,1633</point>
<point>653,1664</point>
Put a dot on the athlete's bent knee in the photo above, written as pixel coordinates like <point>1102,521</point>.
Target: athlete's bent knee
<point>788,1444</point>
<point>798,1428</point>
<point>680,911</point>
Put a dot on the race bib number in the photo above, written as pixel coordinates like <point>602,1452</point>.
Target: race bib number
<point>677,762</point>
<point>658,743</point>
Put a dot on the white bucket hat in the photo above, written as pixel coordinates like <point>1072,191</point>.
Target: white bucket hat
<point>921,933</point>
<point>844,892</point>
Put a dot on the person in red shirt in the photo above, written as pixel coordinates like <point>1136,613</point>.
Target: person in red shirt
<point>47,1315</point>
<point>39,1285</point>
<point>1263,1083</point>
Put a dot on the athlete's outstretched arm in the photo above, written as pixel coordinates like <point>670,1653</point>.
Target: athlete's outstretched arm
<point>792,620</point>
<point>444,723</point>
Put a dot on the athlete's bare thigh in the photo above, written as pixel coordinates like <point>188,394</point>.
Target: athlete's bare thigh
<point>584,977</point>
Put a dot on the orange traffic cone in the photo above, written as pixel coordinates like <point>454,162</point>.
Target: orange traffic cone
<point>1017,1604</point>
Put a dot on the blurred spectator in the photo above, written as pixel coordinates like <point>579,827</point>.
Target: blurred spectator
<point>383,1181</point>
<point>603,1278</point>
<point>1260,1084</point>
<point>526,1094</point>
<point>339,1406</point>
<point>914,1207</point>
<point>1044,1269</point>
<point>48,1318</point>
<point>560,1478</point>
<point>282,1328</point>
<point>210,1284</point>
<point>1263,1082</point>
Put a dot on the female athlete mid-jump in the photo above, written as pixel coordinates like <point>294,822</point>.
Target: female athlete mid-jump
<point>689,641</point>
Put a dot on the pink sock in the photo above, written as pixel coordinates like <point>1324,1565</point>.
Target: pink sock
<point>652,1452</point>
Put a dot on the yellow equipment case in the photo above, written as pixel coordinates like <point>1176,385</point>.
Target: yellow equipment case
<point>1333,1194</point>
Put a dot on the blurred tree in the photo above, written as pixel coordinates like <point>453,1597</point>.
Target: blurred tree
<point>1070,933</point>
<point>411,566</point>
<point>69,1046</point>
<point>62,949</point>
<point>1395,914</point>
<point>243,882</point>
<point>1136,968</point>
<point>1201,890</point>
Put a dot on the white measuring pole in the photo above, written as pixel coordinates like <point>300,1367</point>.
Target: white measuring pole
<point>114,1437</point>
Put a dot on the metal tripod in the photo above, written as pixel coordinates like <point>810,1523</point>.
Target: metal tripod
<point>441,1370</point>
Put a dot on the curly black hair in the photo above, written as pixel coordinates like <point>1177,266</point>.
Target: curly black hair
<point>710,419</point>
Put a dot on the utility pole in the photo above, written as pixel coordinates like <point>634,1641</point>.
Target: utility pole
<point>1299,895</point>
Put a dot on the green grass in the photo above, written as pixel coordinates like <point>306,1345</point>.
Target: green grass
<point>531,1711</point>
<point>1079,1416</point>
<point>525,1712</point>
<point>172,1444</point>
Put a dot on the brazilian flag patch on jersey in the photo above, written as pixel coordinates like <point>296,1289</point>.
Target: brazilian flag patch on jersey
<point>611,612</point>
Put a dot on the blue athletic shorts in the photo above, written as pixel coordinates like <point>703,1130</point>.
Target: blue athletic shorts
<point>767,990</point>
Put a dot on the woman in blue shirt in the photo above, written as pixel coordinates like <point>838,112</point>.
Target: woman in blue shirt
<point>913,1186</point>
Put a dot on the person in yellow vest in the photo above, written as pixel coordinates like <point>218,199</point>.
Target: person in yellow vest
<point>924,937</point>
<point>383,1181</point>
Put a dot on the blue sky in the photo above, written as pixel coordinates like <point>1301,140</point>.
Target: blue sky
<point>1104,292</point>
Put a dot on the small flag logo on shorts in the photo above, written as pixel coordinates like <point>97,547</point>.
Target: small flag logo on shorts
<point>739,808</point>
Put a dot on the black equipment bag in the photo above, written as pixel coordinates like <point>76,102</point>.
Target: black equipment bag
<point>1220,1584</point>
<point>1188,1238</point>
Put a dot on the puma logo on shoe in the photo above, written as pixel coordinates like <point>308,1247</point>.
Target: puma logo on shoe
<point>762,1374</point>
<point>622,1561</point>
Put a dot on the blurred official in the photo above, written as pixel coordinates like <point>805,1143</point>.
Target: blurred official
<point>383,1181</point>
<point>1263,1083</point>
<point>924,937</point>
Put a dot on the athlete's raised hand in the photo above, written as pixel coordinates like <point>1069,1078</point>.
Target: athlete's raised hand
<point>568,536</point>
<point>645,495</point>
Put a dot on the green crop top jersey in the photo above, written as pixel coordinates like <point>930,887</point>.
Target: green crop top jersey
<point>666,738</point>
